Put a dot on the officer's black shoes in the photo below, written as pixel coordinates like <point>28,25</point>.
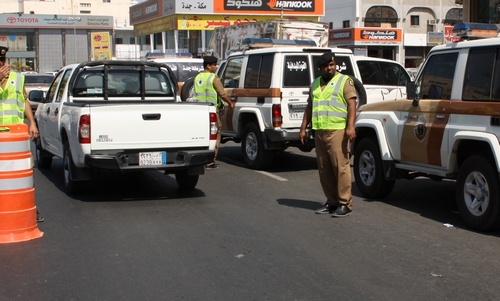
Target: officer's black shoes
<point>211,166</point>
<point>341,211</point>
<point>327,208</point>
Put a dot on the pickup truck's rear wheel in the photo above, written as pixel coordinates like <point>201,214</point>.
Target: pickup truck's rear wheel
<point>186,181</point>
<point>478,194</point>
<point>43,158</point>
<point>69,167</point>
<point>368,170</point>
<point>252,146</point>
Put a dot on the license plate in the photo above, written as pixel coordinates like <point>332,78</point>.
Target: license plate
<point>152,158</point>
<point>296,115</point>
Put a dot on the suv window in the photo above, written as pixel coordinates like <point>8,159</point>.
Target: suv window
<point>296,71</point>
<point>480,75</point>
<point>231,76</point>
<point>259,71</point>
<point>344,65</point>
<point>382,73</point>
<point>437,76</point>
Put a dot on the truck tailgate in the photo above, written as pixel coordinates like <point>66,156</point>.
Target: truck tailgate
<point>149,126</point>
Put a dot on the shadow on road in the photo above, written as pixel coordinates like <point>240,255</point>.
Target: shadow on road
<point>107,186</point>
<point>309,205</point>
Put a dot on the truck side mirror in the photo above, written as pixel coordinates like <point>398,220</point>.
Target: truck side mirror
<point>411,93</point>
<point>36,95</point>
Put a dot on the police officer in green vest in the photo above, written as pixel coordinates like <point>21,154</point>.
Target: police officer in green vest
<point>209,88</point>
<point>14,104</point>
<point>331,108</point>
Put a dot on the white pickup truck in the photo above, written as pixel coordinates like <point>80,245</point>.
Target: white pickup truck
<point>122,116</point>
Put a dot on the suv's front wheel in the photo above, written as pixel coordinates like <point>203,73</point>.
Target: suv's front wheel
<point>252,146</point>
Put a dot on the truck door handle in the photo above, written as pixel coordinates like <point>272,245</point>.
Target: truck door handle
<point>48,111</point>
<point>151,116</point>
<point>56,112</point>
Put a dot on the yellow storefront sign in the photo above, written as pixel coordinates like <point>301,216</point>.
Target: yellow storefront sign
<point>101,46</point>
<point>201,22</point>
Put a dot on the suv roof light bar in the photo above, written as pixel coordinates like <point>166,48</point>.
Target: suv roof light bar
<point>252,43</point>
<point>473,31</point>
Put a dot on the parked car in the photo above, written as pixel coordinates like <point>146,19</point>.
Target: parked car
<point>37,82</point>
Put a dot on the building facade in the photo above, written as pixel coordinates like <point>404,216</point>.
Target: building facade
<point>402,31</point>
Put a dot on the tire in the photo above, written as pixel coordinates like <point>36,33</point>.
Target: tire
<point>186,181</point>
<point>368,170</point>
<point>252,147</point>
<point>43,158</point>
<point>187,89</point>
<point>478,194</point>
<point>69,167</point>
<point>360,91</point>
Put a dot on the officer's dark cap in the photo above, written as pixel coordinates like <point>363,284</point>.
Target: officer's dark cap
<point>325,59</point>
<point>3,51</point>
<point>210,59</point>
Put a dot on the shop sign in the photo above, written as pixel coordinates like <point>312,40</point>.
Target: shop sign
<point>155,26</point>
<point>145,11</point>
<point>365,36</point>
<point>276,7</point>
<point>55,21</point>
<point>435,38</point>
<point>101,46</point>
<point>448,35</point>
<point>209,22</point>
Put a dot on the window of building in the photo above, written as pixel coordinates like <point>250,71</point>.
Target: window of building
<point>346,24</point>
<point>414,20</point>
<point>85,4</point>
<point>87,12</point>
<point>378,15</point>
<point>132,40</point>
<point>106,1</point>
<point>119,41</point>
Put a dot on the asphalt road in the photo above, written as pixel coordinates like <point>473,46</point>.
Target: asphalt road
<point>246,235</point>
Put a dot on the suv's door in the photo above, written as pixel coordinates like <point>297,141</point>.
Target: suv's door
<point>229,73</point>
<point>43,114</point>
<point>424,126</point>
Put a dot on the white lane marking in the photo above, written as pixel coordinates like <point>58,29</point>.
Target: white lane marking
<point>272,176</point>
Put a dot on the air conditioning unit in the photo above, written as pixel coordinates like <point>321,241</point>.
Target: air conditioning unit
<point>431,22</point>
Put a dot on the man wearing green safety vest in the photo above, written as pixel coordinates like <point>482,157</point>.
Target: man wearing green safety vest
<point>331,107</point>
<point>208,88</point>
<point>14,104</point>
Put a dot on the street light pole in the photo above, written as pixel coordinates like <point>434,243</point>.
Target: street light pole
<point>74,19</point>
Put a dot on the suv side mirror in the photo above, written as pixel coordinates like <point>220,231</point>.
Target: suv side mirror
<point>411,93</point>
<point>36,95</point>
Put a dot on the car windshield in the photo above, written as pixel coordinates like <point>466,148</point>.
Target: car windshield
<point>38,79</point>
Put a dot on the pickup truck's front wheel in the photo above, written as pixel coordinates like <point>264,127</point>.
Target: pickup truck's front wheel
<point>368,170</point>
<point>43,158</point>
<point>69,168</point>
<point>252,146</point>
<point>185,180</point>
<point>478,194</point>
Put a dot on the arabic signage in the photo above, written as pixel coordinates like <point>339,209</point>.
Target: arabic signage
<point>270,7</point>
<point>448,35</point>
<point>366,36</point>
<point>199,22</point>
<point>55,21</point>
<point>194,6</point>
<point>101,46</point>
<point>145,11</point>
<point>435,38</point>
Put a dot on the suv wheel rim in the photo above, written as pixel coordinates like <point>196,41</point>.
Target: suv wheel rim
<point>366,168</point>
<point>251,146</point>
<point>476,193</point>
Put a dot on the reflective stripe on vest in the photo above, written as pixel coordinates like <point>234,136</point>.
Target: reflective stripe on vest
<point>329,106</point>
<point>12,104</point>
<point>204,90</point>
